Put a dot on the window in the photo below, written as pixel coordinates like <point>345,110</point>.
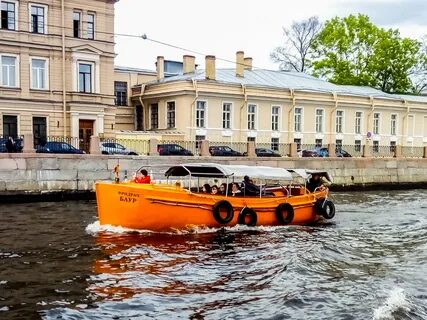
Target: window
<point>38,74</point>
<point>249,139</point>
<point>8,15</point>
<point>10,126</point>
<point>154,116</point>
<point>297,119</point>
<point>318,143</point>
<point>9,71</point>
<point>319,120</point>
<point>275,118</point>
<point>251,116</point>
<point>170,106</point>
<point>76,24</point>
<point>198,140</point>
<point>201,114</point>
<point>226,115</point>
<point>38,20</point>
<point>85,77</point>
<point>376,146</point>
<point>357,125</point>
<point>90,26</point>
<point>139,118</point>
<point>298,142</point>
<point>376,123</point>
<point>39,130</point>
<point>338,144</point>
<point>275,144</point>
<point>339,121</point>
<point>357,145</point>
<point>392,146</point>
<point>121,93</point>
<point>393,124</point>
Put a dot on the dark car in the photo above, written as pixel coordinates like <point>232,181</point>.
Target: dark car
<point>264,152</point>
<point>308,153</point>
<point>324,152</point>
<point>18,145</point>
<point>58,147</point>
<point>224,151</point>
<point>172,149</point>
<point>115,148</point>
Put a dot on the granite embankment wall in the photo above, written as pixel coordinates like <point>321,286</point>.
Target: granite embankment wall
<point>43,174</point>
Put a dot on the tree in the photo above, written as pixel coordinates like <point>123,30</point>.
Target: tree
<point>419,72</point>
<point>353,51</point>
<point>296,53</point>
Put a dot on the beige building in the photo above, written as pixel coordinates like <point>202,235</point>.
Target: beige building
<point>57,68</point>
<point>242,104</point>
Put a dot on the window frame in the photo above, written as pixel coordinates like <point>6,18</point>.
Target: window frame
<point>125,94</point>
<point>17,67</point>
<point>46,74</point>
<point>276,128</point>
<point>322,123</point>
<point>205,114</point>
<point>45,17</point>
<point>79,31</point>
<point>252,114</point>
<point>151,116</point>
<point>339,125</point>
<point>168,126</point>
<point>16,15</point>
<point>376,123</point>
<point>92,75</point>
<point>300,116</point>
<point>230,113</point>
<point>358,145</point>
<point>90,14</point>
<point>275,145</point>
<point>393,124</point>
<point>358,122</point>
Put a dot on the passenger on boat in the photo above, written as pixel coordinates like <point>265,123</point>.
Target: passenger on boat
<point>142,177</point>
<point>235,190</point>
<point>214,189</point>
<point>223,189</point>
<point>206,188</point>
<point>249,188</point>
<point>317,182</point>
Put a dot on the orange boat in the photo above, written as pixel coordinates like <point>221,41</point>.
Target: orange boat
<point>170,206</point>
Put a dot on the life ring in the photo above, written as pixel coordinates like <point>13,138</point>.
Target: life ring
<point>285,213</point>
<point>326,208</point>
<point>247,212</point>
<point>221,207</point>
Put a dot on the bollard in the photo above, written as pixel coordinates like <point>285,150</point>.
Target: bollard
<point>332,150</point>
<point>153,143</point>
<point>366,151</point>
<point>204,148</point>
<point>94,147</point>
<point>251,149</point>
<point>28,143</point>
<point>293,150</point>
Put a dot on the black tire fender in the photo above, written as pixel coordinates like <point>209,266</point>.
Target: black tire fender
<point>221,206</point>
<point>285,213</point>
<point>325,208</point>
<point>252,217</point>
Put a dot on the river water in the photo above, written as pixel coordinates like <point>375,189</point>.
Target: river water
<point>370,263</point>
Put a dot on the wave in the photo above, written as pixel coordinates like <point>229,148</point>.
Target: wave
<point>396,301</point>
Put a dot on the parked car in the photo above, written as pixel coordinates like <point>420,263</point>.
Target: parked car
<point>58,147</point>
<point>172,149</point>
<point>324,152</point>
<point>18,145</point>
<point>115,148</point>
<point>264,152</point>
<point>308,153</point>
<point>224,151</point>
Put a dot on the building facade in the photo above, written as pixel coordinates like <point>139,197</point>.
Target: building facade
<point>243,104</point>
<point>57,68</point>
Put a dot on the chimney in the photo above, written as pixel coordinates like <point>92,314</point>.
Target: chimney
<point>210,67</point>
<point>160,67</point>
<point>189,64</point>
<point>240,63</point>
<point>248,63</point>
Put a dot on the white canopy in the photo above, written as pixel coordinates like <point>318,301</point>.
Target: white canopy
<point>214,170</point>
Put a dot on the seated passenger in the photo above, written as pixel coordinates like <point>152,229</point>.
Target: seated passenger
<point>206,188</point>
<point>235,190</point>
<point>317,182</point>
<point>223,189</point>
<point>214,189</point>
<point>142,177</point>
<point>249,188</point>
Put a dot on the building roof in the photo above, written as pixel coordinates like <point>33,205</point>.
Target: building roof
<point>289,80</point>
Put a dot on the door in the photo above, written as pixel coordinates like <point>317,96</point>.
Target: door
<point>10,126</point>
<point>39,131</point>
<point>139,118</point>
<point>85,132</point>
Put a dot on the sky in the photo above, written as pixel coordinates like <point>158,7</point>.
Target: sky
<point>222,27</point>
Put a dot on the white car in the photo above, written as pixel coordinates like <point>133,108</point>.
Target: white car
<point>115,148</point>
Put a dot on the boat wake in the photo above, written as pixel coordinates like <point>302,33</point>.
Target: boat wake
<point>96,227</point>
<point>396,301</point>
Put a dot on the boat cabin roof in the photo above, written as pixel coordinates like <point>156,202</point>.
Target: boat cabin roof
<point>214,170</point>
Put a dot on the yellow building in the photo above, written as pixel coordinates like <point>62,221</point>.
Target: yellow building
<point>57,65</point>
<point>242,104</point>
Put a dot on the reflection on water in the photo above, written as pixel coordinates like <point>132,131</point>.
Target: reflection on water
<point>369,264</point>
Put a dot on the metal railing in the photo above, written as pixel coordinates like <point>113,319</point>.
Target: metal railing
<point>193,146</point>
<point>412,152</point>
<point>241,147</point>
<point>16,146</point>
<point>283,149</point>
<point>383,151</point>
<point>60,144</point>
<point>124,146</point>
<point>352,150</point>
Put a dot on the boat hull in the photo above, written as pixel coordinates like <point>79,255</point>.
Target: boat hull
<point>166,208</point>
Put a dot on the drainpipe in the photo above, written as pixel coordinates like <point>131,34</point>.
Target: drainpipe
<point>405,123</point>
<point>64,93</point>
<point>192,121</point>
<point>142,104</point>
<point>292,91</point>
<point>245,102</point>
<point>331,126</point>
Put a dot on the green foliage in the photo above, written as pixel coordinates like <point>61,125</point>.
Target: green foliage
<point>353,51</point>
